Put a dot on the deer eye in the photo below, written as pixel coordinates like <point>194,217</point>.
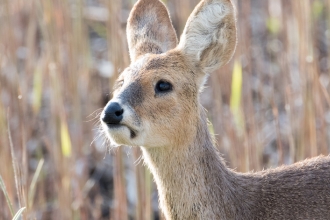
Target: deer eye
<point>163,86</point>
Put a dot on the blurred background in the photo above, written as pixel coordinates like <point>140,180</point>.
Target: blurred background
<point>59,58</point>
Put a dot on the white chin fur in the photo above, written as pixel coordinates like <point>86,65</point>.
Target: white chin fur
<point>121,136</point>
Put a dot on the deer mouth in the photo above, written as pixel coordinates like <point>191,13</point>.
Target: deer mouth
<point>117,127</point>
<point>133,133</point>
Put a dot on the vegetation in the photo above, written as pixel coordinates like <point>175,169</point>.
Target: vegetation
<point>58,60</point>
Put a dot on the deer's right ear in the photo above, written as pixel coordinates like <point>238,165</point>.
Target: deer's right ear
<point>209,37</point>
<point>149,29</point>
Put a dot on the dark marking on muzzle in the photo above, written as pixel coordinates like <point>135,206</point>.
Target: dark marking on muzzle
<point>132,94</point>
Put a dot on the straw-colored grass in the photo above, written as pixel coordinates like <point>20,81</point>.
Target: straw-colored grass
<point>58,61</point>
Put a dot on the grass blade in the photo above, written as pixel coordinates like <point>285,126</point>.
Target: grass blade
<point>236,96</point>
<point>65,139</point>
<point>19,213</point>
<point>3,187</point>
<point>14,163</point>
<point>34,182</point>
<point>37,90</point>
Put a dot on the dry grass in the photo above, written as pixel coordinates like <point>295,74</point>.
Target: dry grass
<point>58,60</point>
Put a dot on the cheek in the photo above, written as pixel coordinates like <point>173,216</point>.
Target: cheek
<point>169,118</point>
<point>160,109</point>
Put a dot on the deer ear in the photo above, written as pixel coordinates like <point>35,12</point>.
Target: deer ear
<point>209,37</point>
<point>149,29</point>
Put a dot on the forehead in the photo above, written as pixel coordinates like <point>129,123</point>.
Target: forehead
<point>153,66</point>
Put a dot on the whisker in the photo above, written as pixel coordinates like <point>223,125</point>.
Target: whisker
<point>138,160</point>
<point>97,137</point>
<point>100,109</point>
<point>96,122</point>
<point>96,117</point>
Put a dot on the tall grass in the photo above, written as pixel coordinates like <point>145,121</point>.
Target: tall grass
<point>58,62</point>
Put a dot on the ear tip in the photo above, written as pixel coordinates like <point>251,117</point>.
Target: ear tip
<point>144,6</point>
<point>149,2</point>
<point>150,29</point>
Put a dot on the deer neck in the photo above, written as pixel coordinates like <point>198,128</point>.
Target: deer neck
<point>194,183</point>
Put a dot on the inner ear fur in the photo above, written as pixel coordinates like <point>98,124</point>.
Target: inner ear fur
<point>149,29</point>
<point>209,37</point>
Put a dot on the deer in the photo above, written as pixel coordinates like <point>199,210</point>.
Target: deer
<point>156,106</point>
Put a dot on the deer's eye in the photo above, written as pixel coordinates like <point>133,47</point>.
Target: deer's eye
<point>163,86</point>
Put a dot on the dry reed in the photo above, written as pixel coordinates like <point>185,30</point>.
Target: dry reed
<point>58,62</point>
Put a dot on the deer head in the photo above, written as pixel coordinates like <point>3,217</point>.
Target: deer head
<point>155,100</point>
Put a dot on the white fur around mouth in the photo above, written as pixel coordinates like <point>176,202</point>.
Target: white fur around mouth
<point>116,127</point>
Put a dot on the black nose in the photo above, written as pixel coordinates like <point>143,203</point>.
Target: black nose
<point>113,113</point>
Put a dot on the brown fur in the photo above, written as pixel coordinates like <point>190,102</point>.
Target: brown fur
<point>146,33</point>
<point>171,127</point>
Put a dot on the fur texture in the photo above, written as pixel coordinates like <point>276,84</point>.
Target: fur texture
<point>194,183</point>
<point>145,34</point>
<point>209,38</point>
<point>171,126</point>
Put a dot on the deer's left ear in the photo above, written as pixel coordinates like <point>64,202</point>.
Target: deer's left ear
<point>209,37</point>
<point>149,29</point>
